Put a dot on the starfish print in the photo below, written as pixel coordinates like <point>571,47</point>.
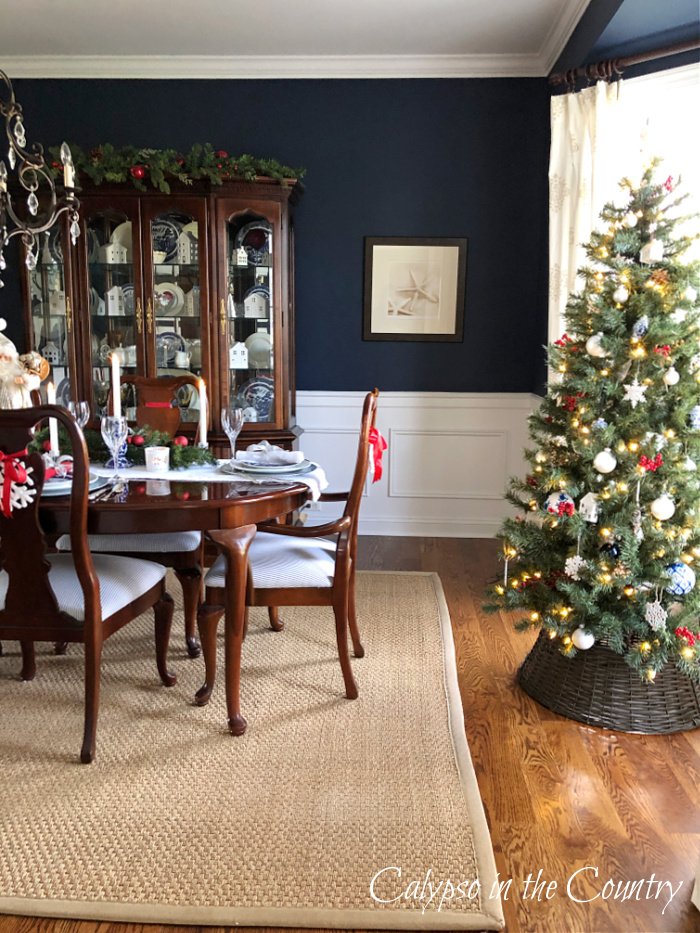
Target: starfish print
<point>399,307</point>
<point>634,393</point>
<point>418,290</point>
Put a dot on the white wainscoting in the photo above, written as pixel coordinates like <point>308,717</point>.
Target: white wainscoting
<point>449,459</point>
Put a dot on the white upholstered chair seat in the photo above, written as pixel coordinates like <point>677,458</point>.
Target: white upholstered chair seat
<point>157,543</point>
<point>281,560</point>
<point>122,580</point>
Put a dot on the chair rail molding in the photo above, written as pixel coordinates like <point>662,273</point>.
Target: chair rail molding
<point>449,459</point>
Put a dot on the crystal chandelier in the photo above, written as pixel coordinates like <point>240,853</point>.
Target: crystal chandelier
<point>32,177</point>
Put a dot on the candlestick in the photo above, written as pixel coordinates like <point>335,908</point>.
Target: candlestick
<point>68,167</point>
<point>116,386</point>
<point>203,413</point>
<point>53,424</point>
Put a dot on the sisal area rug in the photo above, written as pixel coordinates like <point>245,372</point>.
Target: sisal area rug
<point>327,813</point>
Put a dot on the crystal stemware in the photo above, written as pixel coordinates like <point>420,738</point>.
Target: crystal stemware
<point>80,411</point>
<point>232,422</point>
<point>114,433</point>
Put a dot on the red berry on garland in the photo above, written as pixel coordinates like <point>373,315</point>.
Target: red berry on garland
<point>55,165</point>
<point>46,445</point>
<point>184,495</point>
<point>180,161</point>
<point>138,171</point>
<point>221,154</point>
<point>180,440</point>
<point>138,440</point>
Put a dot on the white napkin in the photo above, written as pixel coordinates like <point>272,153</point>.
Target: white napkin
<point>269,455</point>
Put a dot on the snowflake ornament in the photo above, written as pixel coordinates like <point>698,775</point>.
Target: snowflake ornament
<point>656,615</point>
<point>22,494</point>
<point>574,565</point>
<point>634,392</point>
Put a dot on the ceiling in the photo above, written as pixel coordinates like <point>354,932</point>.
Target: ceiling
<point>285,38</point>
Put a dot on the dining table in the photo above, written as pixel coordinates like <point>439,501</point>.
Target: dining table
<point>227,509</point>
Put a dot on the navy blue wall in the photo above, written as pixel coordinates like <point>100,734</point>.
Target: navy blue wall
<point>384,158</point>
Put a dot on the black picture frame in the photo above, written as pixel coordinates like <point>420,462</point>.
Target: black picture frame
<point>415,288</point>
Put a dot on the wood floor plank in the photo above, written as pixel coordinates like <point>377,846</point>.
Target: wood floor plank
<point>558,795</point>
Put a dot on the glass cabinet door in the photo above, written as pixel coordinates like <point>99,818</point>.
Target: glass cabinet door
<point>175,263</point>
<point>114,311</point>
<point>52,315</point>
<point>248,309</point>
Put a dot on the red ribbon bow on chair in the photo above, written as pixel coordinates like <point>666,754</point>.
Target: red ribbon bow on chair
<point>13,472</point>
<point>378,445</point>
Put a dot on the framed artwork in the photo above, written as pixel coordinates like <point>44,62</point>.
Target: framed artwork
<point>414,288</point>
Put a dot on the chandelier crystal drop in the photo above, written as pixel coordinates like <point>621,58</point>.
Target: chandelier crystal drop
<point>31,180</point>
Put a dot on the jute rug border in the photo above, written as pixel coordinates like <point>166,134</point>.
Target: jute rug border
<point>491,918</point>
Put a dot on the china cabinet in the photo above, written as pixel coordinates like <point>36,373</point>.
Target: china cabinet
<point>198,281</point>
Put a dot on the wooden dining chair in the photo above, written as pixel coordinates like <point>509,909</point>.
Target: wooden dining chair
<point>75,597</point>
<point>181,550</point>
<point>293,565</point>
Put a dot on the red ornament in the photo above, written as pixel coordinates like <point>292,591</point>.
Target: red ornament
<point>652,465</point>
<point>180,160</point>
<point>668,184</point>
<point>140,489</point>
<point>138,440</point>
<point>183,496</point>
<point>138,171</point>
<point>684,632</point>
<point>221,154</point>
<point>180,440</point>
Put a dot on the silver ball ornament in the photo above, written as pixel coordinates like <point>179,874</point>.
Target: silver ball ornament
<point>605,461</point>
<point>594,348</point>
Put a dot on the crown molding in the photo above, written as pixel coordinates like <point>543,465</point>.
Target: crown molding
<point>560,33</point>
<point>279,66</point>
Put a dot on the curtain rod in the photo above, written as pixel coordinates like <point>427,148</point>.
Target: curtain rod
<point>613,67</point>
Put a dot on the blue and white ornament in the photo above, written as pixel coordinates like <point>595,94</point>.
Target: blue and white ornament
<point>641,326</point>
<point>600,424</point>
<point>695,417</point>
<point>554,503</point>
<point>682,579</point>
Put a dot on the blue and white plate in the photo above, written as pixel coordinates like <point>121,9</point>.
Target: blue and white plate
<point>63,392</point>
<point>255,239</point>
<point>167,345</point>
<point>128,293</point>
<point>164,234</point>
<point>259,393</point>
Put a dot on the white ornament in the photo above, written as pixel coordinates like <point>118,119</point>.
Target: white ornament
<point>560,441</point>
<point>672,377</point>
<point>682,579</point>
<point>630,219</point>
<point>656,615</point>
<point>588,507</point>
<point>593,346</point>
<point>605,461</point>
<point>690,294</point>
<point>574,565</point>
<point>634,393</point>
<point>694,364</point>
<point>554,503</point>
<point>621,294</point>
<point>663,508</point>
<point>689,465</point>
<point>582,639</point>
<point>653,251</point>
<point>678,315</point>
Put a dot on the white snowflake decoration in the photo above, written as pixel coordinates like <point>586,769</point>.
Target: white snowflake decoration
<point>634,392</point>
<point>573,566</point>
<point>21,494</point>
<point>656,615</point>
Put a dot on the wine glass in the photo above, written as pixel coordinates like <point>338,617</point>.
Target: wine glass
<point>80,411</point>
<point>232,422</point>
<point>114,432</point>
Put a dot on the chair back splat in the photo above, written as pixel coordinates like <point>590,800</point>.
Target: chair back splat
<point>369,417</point>
<point>30,605</point>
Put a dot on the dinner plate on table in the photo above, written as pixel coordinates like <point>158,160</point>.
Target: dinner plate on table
<point>63,486</point>
<point>242,466</point>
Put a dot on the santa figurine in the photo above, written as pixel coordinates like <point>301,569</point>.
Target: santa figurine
<point>19,375</point>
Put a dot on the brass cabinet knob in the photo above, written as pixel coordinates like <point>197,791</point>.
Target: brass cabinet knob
<point>222,317</point>
<point>149,316</point>
<point>69,315</point>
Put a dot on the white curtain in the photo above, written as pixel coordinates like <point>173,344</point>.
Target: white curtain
<point>601,135</point>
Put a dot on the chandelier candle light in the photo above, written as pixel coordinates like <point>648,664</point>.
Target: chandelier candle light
<point>32,176</point>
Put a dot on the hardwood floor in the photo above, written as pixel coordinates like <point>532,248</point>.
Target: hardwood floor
<point>559,796</point>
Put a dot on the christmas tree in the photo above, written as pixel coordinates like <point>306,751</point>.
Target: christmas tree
<point>608,532</point>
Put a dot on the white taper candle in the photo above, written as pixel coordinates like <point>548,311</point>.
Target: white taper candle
<point>203,413</point>
<point>53,424</point>
<point>116,386</point>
